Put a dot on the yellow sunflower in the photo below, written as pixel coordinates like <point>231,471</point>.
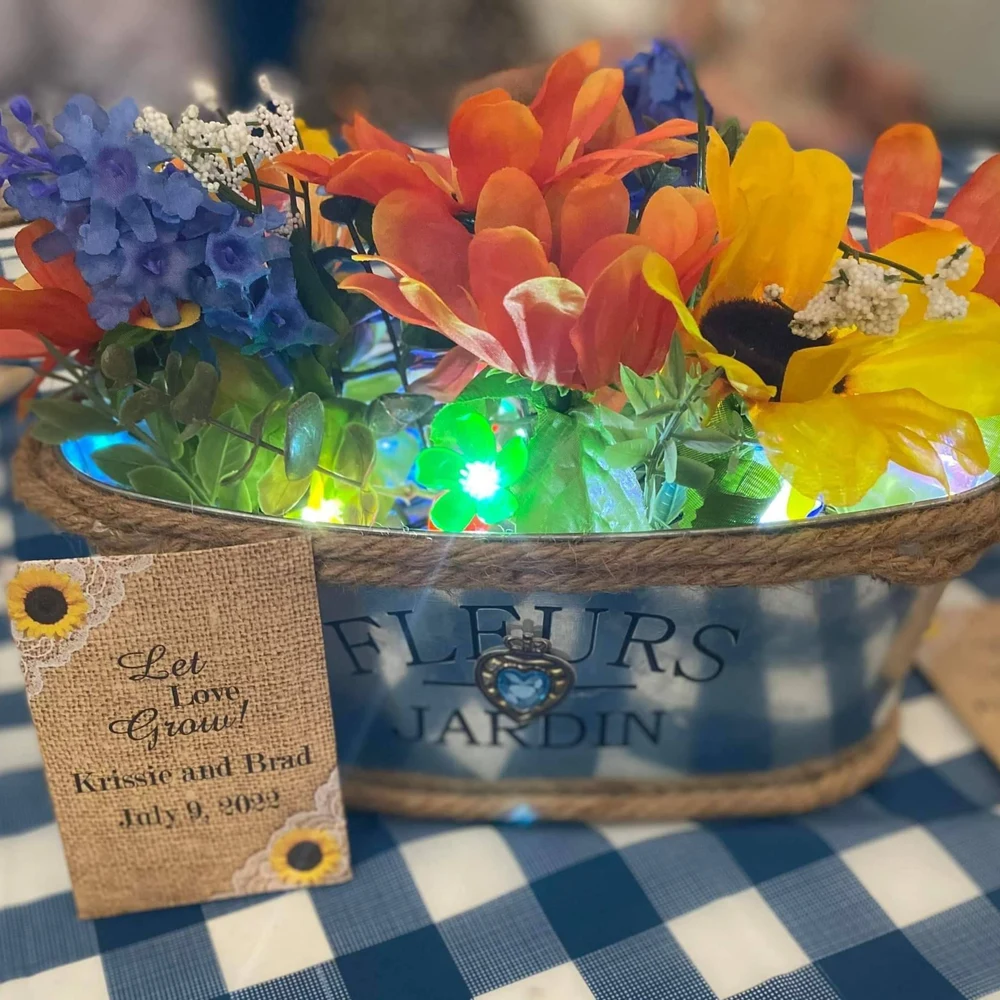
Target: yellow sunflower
<point>305,857</point>
<point>832,414</point>
<point>45,604</point>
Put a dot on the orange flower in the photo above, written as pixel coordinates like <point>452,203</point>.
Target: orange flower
<point>577,127</point>
<point>50,300</point>
<point>551,290</point>
<point>901,191</point>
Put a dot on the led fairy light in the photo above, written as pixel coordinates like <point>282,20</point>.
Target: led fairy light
<point>327,512</point>
<point>481,480</point>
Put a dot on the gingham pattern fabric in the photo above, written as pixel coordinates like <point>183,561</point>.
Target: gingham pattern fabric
<point>892,895</point>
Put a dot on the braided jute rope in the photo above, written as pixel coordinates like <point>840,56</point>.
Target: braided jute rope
<point>799,789</point>
<point>916,546</point>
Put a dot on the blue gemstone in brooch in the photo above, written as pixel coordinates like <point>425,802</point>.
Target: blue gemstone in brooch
<point>526,678</point>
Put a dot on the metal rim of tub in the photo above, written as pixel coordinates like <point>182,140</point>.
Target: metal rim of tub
<point>918,545</point>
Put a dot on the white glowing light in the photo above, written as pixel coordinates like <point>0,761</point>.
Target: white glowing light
<point>778,511</point>
<point>480,480</point>
<point>328,512</point>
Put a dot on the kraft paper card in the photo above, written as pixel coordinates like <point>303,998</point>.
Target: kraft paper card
<point>183,711</point>
<point>961,657</point>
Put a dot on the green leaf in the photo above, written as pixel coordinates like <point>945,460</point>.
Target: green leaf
<point>425,339</point>
<point>311,376</point>
<point>162,483</point>
<point>244,381</point>
<point>454,511</point>
<point>356,455</point>
<point>388,415</point>
<point>129,336</point>
<point>277,494</point>
<point>141,405</point>
<point>236,497</point>
<point>495,384</point>
<point>669,464</point>
<point>195,400</point>
<point>49,433</point>
<point>304,436</point>
<point>512,461</point>
<point>173,373</point>
<point>118,460</point>
<point>668,505</point>
<point>628,454</point>
<point>569,487</point>
<point>165,432</point>
<point>317,298</point>
<point>74,419</point>
<point>118,363</point>
<point>439,469</point>
<point>695,475</point>
<point>641,393</point>
<point>707,441</point>
<point>677,365</point>
<point>220,454</point>
<point>657,414</point>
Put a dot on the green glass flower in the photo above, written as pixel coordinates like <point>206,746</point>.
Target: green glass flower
<point>465,462</point>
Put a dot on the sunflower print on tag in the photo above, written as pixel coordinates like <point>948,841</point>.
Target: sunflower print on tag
<point>54,606</point>
<point>43,604</point>
<point>309,849</point>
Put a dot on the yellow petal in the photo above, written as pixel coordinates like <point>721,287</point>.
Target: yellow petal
<point>742,377</point>
<point>718,173</point>
<point>315,140</point>
<point>662,278</point>
<point>788,212</point>
<point>838,446</point>
<point>815,371</point>
<point>921,252</point>
<point>952,362</point>
<point>190,314</point>
<point>823,447</point>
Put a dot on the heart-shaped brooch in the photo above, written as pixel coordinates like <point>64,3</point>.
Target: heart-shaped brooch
<point>525,679</point>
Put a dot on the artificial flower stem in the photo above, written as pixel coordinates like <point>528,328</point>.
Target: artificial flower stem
<point>699,98</point>
<point>227,194</point>
<point>307,209</point>
<point>255,181</point>
<point>848,251</point>
<point>400,363</point>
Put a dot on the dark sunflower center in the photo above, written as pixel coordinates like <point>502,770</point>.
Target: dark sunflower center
<point>758,334</point>
<point>305,856</point>
<point>46,605</point>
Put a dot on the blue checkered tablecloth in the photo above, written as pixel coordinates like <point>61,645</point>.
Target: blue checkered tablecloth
<point>892,895</point>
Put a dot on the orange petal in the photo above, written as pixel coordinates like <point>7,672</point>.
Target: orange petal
<point>594,208</point>
<point>908,223</point>
<point>600,256</point>
<point>976,206</point>
<point>384,292</point>
<point>553,107</point>
<point>20,344</point>
<point>903,175</point>
<point>424,241</point>
<point>511,198</point>
<point>616,131</point>
<point>309,167</point>
<point>499,260</point>
<point>545,312</point>
<point>617,163</point>
<point>662,139</point>
<point>442,318</point>
<point>670,223</point>
<point>362,135</point>
<point>373,176</point>
<point>849,239</point>
<point>452,374</point>
<point>989,284</point>
<point>608,333</point>
<point>486,137</point>
<point>59,273</point>
<point>54,313</point>
<point>595,103</point>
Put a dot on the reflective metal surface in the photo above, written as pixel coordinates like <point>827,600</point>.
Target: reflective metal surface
<point>669,682</point>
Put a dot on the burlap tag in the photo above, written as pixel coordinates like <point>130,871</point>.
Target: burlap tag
<point>140,832</point>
